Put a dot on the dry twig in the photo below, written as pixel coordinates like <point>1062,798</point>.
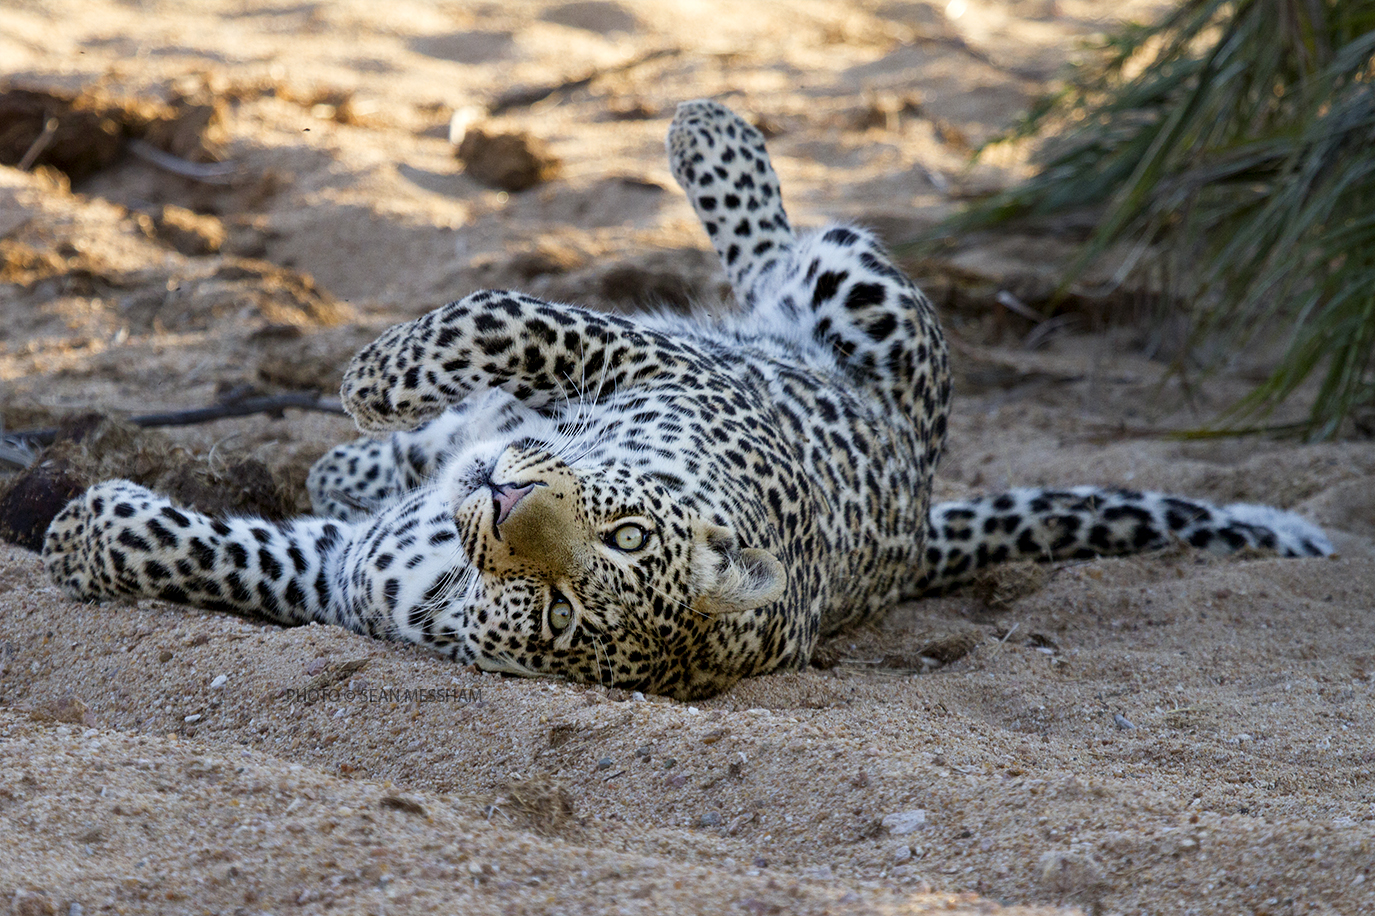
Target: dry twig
<point>205,172</point>
<point>242,407</point>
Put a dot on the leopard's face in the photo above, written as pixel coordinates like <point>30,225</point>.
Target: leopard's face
<point>599,575</point>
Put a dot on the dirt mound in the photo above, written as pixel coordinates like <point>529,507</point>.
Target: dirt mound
<point>92,447</point>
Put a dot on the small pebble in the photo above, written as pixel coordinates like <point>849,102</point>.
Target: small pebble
<point>904,822</point>
<point>219,681</point>
<point>670,763</point>
<point>194,717</point>
<point>900,854</point>
<point>710,819</point>
<point>1122,722</point>
<point>25,902</point>
<point>604,763</point>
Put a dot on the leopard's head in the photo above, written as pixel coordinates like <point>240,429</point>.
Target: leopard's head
<point>600,575</point>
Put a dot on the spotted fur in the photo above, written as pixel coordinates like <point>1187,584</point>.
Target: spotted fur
<point>661,503</point>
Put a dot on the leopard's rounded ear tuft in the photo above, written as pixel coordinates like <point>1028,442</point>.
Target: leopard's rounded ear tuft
<point>728,578</point>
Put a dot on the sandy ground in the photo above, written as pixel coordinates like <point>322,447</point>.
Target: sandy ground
<point>1162,734</point>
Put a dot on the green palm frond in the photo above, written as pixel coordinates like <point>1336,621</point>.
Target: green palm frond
<point>1241,134</point>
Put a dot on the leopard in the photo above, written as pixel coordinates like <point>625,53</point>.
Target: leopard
<point>659,502</point>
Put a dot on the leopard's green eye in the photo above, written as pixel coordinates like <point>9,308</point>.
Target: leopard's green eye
<point>629,537</point>
<point>560,613</point>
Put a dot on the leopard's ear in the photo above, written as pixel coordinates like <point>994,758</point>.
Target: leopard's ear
<point>728,578</point>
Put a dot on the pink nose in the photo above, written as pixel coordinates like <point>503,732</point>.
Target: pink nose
<point>505,496</point>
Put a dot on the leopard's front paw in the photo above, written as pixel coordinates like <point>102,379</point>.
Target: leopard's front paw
<point>77,548</point>
<point>352,480</point>
<point>391,384</point>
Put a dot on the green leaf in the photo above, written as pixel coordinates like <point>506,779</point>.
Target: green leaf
<point>1244,145</point>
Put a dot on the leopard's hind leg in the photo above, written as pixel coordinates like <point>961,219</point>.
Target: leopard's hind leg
<point>836,289</point>
<point>719,160</point>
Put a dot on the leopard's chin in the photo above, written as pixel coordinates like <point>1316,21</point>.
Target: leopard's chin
<point>505,666</point>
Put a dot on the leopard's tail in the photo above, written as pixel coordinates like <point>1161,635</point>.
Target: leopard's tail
<point>966,536</point>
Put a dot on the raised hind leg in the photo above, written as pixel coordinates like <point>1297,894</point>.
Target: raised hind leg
<point>720,162</point>
<point>838,288</point>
